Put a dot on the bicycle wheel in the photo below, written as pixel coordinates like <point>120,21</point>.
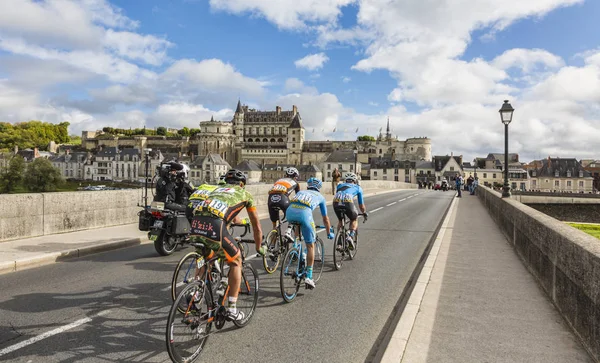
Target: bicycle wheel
<point>248,296</point>
<point>352,253</point>
<point>185,272</point>
<point>319,259</point>
<point>339,253</point>
<point>187,332</point>
<point>271,258</point>
<point>289,279</point>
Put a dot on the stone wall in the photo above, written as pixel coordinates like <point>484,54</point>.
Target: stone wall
<point>31,215</point>
<point>586,213</point>
<point>564,260</point>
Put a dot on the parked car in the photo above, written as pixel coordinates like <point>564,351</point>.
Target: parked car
<point>437,186</point>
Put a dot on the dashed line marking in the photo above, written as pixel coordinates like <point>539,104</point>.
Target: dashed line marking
<point>375,210</point>
<point>391,204</point>
<point>402,200</point>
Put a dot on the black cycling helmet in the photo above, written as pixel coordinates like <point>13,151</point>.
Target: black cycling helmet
<point>234,176</point>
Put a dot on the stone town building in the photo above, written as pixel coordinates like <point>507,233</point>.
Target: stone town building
<point>394,170</point>
<point>112,163</point>
<point>561,175</point>
<point>272,172</point>
<point>251,170</point>
<point>72,165</point>
<point>207,169</point>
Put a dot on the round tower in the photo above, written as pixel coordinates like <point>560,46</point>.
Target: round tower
<point>419,146</point>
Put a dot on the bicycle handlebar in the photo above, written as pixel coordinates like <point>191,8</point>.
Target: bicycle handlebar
<point>246,228</point>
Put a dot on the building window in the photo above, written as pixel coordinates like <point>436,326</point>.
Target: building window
<point>485,175</point>
<point>293,146</point>
<point>494,175</point>
<point>351,167</point>
<point>557,183</point>
<point>534,183</point>
<point>294,132</point>
<point>568,183</point>
<point>451,168</point>
<point>384,171</point>
<point>421,172</point>
<point>340,167</point>
<point>329,174</point>
<point>328,166</point>
<point>581,184</point>
<point>375,173</point>
<point>380,151</point>
<point>293,139</point>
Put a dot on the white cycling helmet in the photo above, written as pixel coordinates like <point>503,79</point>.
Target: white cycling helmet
<point>292,173</point>
<point>350,178</point>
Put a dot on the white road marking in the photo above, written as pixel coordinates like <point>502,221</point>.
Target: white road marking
<point>375,210</point>
<point>402,200</point>
<point>391,204</point>
<point>50,333</point>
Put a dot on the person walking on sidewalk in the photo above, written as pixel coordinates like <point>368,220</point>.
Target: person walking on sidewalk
<point>458,185</point>
<point>335,179</point>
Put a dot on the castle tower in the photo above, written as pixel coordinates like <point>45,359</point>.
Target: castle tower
<point>295,139</point>
<point>388,135</point>
<point>238,131</point>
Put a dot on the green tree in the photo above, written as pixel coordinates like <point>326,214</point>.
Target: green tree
<point>42,176</point>
<point>184,132</point>
<point>365,138</point>
<point>194,132</point>
<point>12,176</point>
<point>161,131</point>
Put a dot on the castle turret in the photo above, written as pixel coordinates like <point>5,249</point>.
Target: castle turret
<point>238,131</point>
<point>295,139</point>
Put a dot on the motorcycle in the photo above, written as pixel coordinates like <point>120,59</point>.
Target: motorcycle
<point>167,228</point>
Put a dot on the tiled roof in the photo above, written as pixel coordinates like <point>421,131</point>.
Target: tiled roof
<point>341,156</point>
<point>551,165</point>
<point>248,165</point>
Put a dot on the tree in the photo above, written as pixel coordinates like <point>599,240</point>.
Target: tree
<point>42,176</point>
<point>365,138</point>
<point>161,131</point>
<point>13,175</point>
<point>184,132</point>
<point>194,132</point>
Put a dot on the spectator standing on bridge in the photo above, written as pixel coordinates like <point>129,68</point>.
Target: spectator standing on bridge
<point>458,184</point>
<point>335,179</point>
<point>474,186</point>
<point>470,181</point>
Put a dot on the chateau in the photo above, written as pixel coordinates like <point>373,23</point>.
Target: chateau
<point>267,137</point>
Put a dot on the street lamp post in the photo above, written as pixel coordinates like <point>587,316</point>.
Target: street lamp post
<point>506,114</point>
<point>355,152</point>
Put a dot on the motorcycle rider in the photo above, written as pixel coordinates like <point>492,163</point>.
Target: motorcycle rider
<point>166,186</point>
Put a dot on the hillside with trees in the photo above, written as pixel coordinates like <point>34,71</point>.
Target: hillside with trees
<point>32,134</point>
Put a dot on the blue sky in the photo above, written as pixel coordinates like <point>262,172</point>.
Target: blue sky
<point>436,69</point>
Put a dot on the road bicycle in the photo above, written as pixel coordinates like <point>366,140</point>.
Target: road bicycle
<point>341,247</point>
<point>187,269</point>
<point>202,303</point>
<point>293,269</point>
<point>277,246</point>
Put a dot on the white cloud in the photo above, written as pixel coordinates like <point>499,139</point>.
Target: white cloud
<point>146,48</point>
<point>180,114</point>
<point>346,79</point>
<point>312,61</point>
<point>212,75</point>
<point>296,85</point>
<point>286,14</point>
<point>527,59</point>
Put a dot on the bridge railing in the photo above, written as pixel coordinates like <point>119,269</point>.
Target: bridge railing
<point>39,214</point>
<point>564,260</point>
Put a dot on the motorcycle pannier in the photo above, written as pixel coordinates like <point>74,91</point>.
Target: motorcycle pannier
<point>144,220</point>
<point>181,225</point>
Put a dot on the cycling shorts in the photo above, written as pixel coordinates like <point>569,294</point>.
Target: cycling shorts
<point>276,203</point>
<point>304,217</point>
<point>212,232</point>
<point>345,208</point>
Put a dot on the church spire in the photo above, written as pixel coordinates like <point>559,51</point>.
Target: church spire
<point>239,107</point>
<point>212,119</point>
<point>388,135</point>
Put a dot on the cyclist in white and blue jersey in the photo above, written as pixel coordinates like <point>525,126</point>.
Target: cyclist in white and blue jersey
<point>300,211</point>
<point>343,203</point>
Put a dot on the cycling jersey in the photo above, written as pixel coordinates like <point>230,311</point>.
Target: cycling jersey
<point>343,201</point>
<point>301,211</point>
<point>279,197</point>
<point>200,194</point>
<point>285,186</point>
<point>213,214</point>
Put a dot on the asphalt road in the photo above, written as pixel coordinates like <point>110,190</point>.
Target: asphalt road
<point>112,307</point>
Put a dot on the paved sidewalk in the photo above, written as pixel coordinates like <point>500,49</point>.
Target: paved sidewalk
<point>26,253</point>
<point>479,303</point>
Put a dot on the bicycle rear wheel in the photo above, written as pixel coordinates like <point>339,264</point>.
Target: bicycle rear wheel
<point>339,254</point>
<point>187,332</point>
<point>289,279</point>
<point>319,259</point>
<point>248,296</point>
<point>185,272</point>
<point>271,258</point>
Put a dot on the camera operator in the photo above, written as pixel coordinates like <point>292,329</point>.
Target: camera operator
<point>183,189</point>
<point>166,186</point>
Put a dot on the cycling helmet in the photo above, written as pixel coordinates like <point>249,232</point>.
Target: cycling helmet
<point>314,183</point>
<point>222,180</point>
<point>350,178</point>
<point>292,173</point>
<point>234,176</point>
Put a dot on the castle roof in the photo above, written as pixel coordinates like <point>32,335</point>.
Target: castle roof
<point>296,122</point>
<point>239,107</point>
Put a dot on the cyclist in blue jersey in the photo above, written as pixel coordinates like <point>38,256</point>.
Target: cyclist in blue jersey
<point>343,203</point>
<point>300,211</point>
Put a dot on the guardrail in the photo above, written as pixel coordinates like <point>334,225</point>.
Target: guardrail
<point>564,260</point>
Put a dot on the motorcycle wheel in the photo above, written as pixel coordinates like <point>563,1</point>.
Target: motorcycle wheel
<point>163,246</point>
